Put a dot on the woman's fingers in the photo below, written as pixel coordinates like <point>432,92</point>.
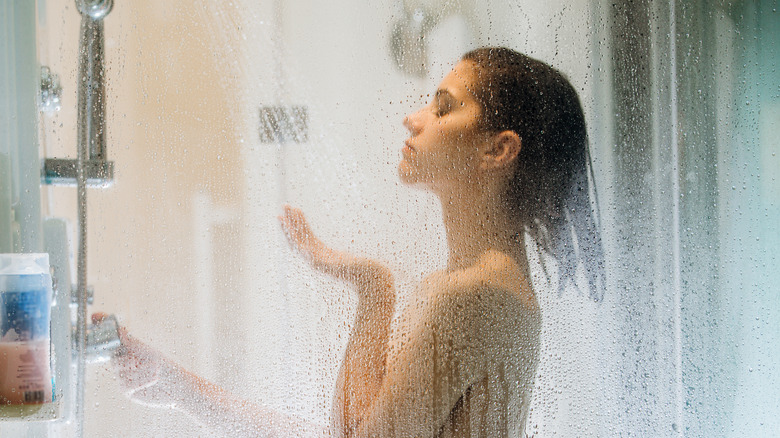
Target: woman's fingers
<point>297,225</point>
<point>302,239</point>
<point>98,317</point>
<point>144,373</point>
<point>299,233</point>
<point>141,369</point>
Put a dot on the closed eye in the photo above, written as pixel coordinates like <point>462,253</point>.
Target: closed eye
<point>443,103</point>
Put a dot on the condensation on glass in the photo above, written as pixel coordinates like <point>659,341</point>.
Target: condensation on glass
<point>219,113</point>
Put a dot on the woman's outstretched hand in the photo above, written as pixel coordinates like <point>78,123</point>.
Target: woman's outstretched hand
<point>356,270</point>
<point>302,239</point>
<point>146,375</point>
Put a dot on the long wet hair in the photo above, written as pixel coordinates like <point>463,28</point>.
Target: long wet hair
<point>549,193</point>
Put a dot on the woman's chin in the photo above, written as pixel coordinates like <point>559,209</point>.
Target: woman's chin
<point>407,175</point>
<point>411,176</point>
<point>414,183</point>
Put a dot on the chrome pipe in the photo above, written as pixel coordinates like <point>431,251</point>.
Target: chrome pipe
<point>91,90</point>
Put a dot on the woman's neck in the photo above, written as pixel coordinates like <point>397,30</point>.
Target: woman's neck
<point>478,223</point>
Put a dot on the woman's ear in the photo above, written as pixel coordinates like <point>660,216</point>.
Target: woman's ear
<point>502,150</point>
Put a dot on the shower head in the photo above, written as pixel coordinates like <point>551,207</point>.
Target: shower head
<point>407,41</point>
<point>409,36</point>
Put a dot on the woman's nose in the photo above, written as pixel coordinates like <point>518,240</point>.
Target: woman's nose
<point>411,122</point>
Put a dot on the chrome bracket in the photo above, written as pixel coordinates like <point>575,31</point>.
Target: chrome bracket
<point>63,172</point>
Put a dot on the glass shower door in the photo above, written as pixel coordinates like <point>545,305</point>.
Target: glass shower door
<point>221,112</point>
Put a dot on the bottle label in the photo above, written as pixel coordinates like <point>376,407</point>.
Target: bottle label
<point>25,315</point>
<point>25,377</point>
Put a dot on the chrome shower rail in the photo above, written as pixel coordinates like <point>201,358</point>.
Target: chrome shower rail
<point>91,167</point>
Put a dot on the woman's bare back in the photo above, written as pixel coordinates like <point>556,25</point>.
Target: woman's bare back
<point>482,327</point>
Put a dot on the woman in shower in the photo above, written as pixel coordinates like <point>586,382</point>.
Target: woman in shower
<point>503,145</point>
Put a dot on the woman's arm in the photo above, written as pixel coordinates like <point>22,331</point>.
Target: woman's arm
<point>154,380</point>
<point>235,417</point>
<point>363,367</point>
<point>365,359</point>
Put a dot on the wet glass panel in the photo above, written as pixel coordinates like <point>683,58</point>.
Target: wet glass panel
<point>218,114</point>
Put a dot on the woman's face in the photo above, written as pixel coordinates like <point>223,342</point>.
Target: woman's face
<point>445,140</point>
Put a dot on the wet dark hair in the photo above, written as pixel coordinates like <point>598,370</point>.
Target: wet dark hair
<point>549,192</point>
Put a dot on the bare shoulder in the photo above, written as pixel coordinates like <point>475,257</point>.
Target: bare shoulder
<point>495,276</point>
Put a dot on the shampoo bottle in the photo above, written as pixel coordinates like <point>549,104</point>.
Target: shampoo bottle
<point>25,317</point>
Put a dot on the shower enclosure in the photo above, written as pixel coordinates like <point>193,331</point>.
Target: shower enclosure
<point>218,113</point>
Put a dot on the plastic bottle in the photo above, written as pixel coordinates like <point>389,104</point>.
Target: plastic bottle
<point>25,318</point>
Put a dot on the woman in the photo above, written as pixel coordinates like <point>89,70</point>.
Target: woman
<point>503,145</point>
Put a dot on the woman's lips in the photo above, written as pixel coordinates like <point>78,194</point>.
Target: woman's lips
<point>407,149</point>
